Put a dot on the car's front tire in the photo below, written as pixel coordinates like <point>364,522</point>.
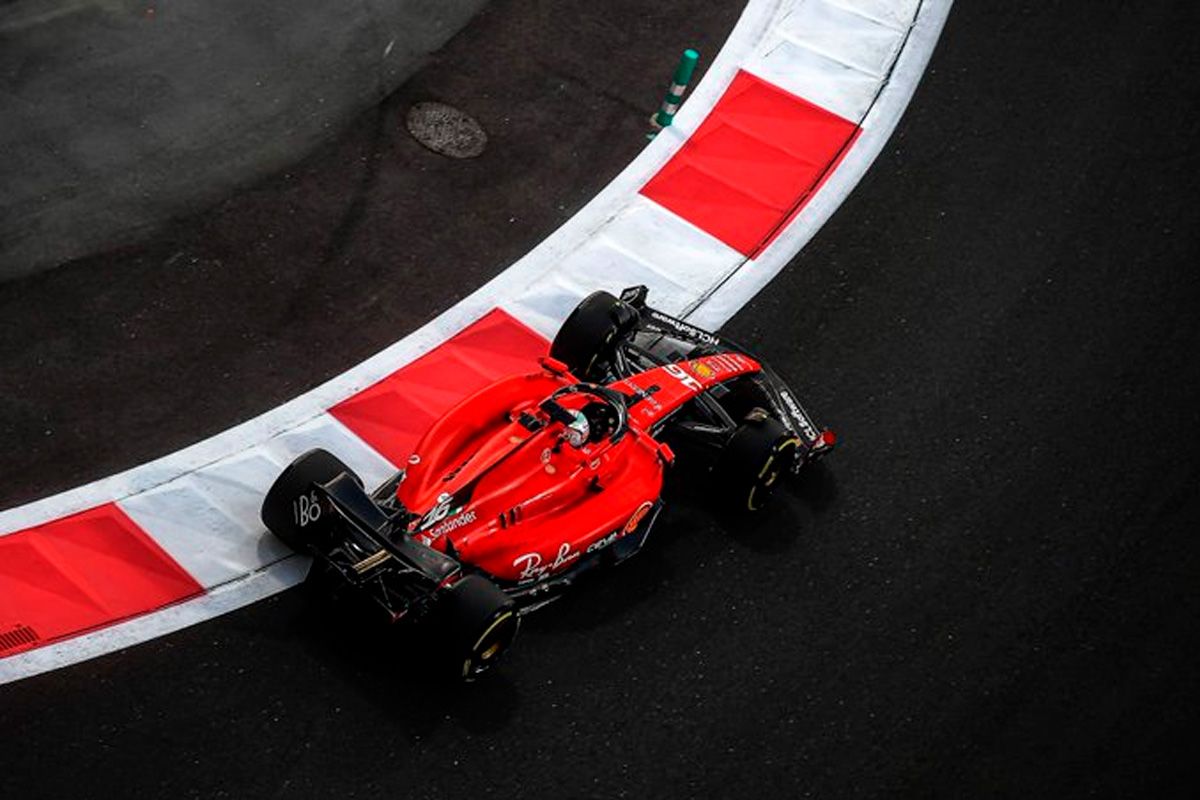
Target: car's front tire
<point>588,338</point>
<point>754,461</point>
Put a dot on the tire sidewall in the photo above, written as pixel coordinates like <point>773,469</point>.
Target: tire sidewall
<point>754,463</point>
<point>585,341</point>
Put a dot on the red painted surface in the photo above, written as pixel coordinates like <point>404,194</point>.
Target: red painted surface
<point>833,166</point>
<point>752,164</point>
<point>680,383</point>
<point>393,414</point>
<point>82,572</point>
<point>524,504</point>
<point>521,502</point>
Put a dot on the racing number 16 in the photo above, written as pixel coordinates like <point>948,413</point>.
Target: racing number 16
<point>306,508</point>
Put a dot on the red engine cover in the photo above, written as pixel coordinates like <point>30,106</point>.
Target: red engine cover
<point>524,505</point>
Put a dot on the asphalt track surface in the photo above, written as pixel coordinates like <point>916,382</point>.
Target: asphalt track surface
<point>114,360</point>
<point>990,590</point>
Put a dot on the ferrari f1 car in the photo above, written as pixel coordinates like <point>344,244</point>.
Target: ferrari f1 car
<point>538,478</point>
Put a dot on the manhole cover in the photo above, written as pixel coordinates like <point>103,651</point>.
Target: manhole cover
<point>446,130</point>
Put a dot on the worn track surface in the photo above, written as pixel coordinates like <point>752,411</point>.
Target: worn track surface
<point>990,590</point>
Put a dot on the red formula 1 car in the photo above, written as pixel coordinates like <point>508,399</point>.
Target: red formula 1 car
<point>536,478</point>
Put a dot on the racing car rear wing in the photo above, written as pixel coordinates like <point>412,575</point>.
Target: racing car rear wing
<point>367,542</point>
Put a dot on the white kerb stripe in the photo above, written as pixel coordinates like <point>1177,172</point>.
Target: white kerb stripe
<point>208,520</point>
<point>829,55</point>
<point>644,244</point>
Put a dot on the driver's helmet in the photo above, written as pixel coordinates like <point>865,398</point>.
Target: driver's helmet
<point>579,430</point>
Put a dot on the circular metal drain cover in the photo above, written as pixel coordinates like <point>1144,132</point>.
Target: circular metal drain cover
<point>446,130</point>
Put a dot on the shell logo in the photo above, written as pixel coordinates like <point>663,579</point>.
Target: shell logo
<point>703,370</point>
<point>637,518</point>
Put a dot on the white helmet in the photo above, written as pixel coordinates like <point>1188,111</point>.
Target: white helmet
<point>579,430</point>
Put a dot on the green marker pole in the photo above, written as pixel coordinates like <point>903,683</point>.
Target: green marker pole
<point>670,104</point>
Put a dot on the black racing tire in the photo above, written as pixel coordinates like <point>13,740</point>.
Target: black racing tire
<point>754,461</point>
<point>587,339</point>
<point>279,512</point>
<point>479,623</point>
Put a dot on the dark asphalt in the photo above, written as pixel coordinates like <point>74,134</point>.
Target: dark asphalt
<point>118,116</point>
<point>990,590</point>
<point>114,360</point>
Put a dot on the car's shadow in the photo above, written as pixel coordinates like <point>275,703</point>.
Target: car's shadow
<point>390,665</point>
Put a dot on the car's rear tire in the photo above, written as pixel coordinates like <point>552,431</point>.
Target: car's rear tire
<point>754,461</point>
<point>280,512</point>
<point>588,338</point>
<point>479,623</point>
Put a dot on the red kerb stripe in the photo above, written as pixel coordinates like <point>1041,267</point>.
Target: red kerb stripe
<point>393,414</point>
<point>82,572</point>
<point>752,164</point>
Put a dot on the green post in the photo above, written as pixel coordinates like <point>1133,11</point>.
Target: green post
<point>679,83</point>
